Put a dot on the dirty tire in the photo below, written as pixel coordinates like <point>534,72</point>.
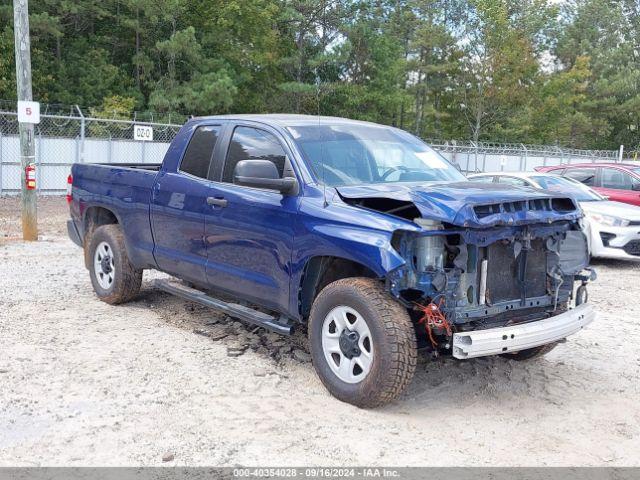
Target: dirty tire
<point>127,280</point>
<point>392,336</point>
<point>530,353</point>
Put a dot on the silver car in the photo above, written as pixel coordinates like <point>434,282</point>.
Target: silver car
<point>612,228</point>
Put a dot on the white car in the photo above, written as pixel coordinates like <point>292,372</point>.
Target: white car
<point>612,228</point>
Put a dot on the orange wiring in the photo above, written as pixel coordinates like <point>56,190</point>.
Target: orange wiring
<point>432,317</point>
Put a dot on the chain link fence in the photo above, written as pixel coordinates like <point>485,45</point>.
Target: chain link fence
<point>65,138</point>
<point>65,135</point>
<point>475,157</point>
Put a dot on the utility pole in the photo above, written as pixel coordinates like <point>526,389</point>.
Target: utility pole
<point>27,140</point>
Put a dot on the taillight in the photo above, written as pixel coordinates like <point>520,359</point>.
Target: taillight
<point>69,187</point>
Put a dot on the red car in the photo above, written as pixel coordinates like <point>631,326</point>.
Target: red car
<point>616,181</point>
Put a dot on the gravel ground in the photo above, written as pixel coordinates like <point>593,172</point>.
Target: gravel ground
<point>86,383</point>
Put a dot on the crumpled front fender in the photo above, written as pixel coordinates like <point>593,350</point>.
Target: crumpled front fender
<point>343,231</point>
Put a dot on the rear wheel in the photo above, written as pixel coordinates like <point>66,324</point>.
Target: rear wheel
<point>363,343</point>
<point>114,278</point>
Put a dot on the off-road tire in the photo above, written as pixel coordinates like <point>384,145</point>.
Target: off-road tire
<point>393,337</point>
<point>530,353</point>
<point>127,279</point>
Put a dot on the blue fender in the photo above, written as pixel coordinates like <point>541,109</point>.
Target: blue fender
<point>347,232</point>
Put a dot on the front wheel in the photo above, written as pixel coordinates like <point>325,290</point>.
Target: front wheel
<point>114,278</point>
<point>363,344</point>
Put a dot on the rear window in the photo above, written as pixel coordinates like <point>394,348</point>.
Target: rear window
<point>197,157</point>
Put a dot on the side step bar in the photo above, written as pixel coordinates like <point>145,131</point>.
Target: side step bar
<point>280,325</point>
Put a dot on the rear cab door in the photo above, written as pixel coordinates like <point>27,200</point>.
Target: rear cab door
<point>179,202</point>
<point>249,232</point>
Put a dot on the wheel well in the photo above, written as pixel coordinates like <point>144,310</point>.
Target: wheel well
<point>95,217</point>
<point>320,272</point>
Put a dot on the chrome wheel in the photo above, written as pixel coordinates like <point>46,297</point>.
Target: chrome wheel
<point>103,265</point>
<point>347,344</point>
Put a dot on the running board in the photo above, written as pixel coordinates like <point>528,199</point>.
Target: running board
<point>280,325</point>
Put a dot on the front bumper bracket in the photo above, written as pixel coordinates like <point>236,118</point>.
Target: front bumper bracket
<point>494,341</point>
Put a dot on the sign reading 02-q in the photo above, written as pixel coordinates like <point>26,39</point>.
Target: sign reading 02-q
<point>143,133</point>
<point>28,112</point>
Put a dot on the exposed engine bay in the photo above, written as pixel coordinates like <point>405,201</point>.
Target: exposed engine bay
<point>507,263</point>
<point>529,267</point>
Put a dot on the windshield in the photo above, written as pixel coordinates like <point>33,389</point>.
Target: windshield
<point>579,191</point>
<point>347,154</point>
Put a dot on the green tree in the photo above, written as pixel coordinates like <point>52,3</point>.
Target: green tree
<point>608,33</point>
<point>500,66</point>
<point>527,71</point>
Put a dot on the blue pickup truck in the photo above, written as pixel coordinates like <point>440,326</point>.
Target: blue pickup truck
<point>359,233</point>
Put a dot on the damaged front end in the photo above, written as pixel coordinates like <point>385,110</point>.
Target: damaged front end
<point>491,265</point>
<point>486,279</point>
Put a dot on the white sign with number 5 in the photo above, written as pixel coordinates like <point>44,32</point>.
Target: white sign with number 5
<point>28,112</point>
<point>143,133</point>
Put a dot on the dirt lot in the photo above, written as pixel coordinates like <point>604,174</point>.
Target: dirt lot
<point>85,383</point>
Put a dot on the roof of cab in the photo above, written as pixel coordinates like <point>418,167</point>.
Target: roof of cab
<point>291,120</point>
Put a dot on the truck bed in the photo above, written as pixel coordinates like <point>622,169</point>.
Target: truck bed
<point>124,189</point>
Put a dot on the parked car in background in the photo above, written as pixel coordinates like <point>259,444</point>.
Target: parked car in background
<point>612,228</point>
<point>617,181</point>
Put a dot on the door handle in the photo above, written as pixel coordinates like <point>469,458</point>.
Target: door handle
<point>216,202</point>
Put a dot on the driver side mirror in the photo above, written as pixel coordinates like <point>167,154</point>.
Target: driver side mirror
<point>263,174</point>
<point>635,187</point>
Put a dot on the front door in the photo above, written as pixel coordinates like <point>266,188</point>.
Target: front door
<point>178,208</point>
<point>248,231</point>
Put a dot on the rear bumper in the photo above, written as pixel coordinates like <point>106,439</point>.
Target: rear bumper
<point>73,233</point>
<point>520,337</point>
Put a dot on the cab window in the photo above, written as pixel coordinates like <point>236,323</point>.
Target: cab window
<point>253,144</point>
<point>616,179</point>
<point>583,175</point>
<point>197,157</point>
